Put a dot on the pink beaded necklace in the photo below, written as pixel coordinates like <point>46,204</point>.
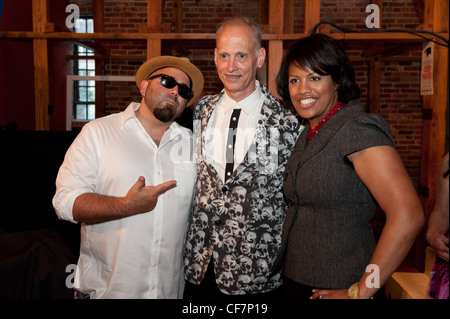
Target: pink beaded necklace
<point>312,132</point>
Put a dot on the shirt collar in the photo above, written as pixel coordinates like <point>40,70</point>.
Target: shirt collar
<point>129,112</point>
<point>246,104</point>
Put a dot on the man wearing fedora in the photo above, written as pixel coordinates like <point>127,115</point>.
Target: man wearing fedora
<point>128,178</point>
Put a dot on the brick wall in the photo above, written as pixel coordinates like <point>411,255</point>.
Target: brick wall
<point>401,104</point>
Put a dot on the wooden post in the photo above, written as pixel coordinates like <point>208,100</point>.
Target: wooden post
<point>273,64</point>
<point>312,15</point>
<point>280,14</point>
<point>154,21</point>
<point>434,121</point>
<point>40,61</point>
<point>177,16</point>
<point>263,12</point>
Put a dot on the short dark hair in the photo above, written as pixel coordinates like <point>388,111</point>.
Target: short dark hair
<point>323,55</point>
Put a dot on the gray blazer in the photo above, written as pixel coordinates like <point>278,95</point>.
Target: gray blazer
<point>332,241</point>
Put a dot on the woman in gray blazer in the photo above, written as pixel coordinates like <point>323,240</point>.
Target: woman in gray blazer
<point>344,163</point>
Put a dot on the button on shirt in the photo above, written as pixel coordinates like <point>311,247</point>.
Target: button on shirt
<point>138,256</point>
<point>217,131</point>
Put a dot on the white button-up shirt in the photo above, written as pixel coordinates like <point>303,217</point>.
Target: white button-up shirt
<point>138,256</point>
<point>217,131</point>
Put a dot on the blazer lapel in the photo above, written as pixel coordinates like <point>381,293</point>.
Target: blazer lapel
<point>205,117</point>
<point>325,134</point>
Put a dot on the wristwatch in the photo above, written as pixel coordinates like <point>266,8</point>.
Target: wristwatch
<point>353,291</point>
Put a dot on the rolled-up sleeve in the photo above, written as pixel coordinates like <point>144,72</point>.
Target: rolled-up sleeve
<point>77,174</point>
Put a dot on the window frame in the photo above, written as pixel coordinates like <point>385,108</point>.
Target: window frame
<point>83,90</point>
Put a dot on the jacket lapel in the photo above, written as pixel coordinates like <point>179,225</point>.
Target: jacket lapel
<point>326,132</point>
<point>205,117</point>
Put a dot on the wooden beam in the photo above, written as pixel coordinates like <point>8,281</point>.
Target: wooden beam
<point>263,12</point>
<point>40,62</point>
<point>276,16</point>
<point>274,63</point>
<point>210,58</point>
<point>110,35</point>
<point>433,143</point>
<point>279,16</point>
<point>289,16</point>
<point>177,16</point>
<point>391,36</point>
<point>154,21</point>
<point>428,11</point>
<point>97,12</point>
<point>374,86</point>
<point>312,15</point>
<point>435,123</point>
<point>41,85</point>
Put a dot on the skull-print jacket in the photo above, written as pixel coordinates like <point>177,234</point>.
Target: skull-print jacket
<point>240,222</point>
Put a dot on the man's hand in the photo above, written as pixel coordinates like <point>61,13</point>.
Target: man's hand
<point>439,243</point>
<point>141,198</point>
<point>92,208</point>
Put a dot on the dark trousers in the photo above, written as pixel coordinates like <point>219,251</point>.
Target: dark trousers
<point>295,290</point>
<point>208,290</point>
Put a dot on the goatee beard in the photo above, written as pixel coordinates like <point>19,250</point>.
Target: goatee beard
<point>165,114</point>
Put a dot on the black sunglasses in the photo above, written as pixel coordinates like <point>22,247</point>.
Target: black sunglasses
<point>169,82</point>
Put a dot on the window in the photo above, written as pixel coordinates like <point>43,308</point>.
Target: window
<point>84,91</point>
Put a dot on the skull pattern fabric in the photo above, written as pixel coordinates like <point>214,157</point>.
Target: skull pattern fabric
<point>239,223</point>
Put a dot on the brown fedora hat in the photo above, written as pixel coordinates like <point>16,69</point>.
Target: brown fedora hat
<point>165,61</point>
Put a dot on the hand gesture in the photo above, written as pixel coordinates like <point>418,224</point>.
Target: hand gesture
<point>141,198</point>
